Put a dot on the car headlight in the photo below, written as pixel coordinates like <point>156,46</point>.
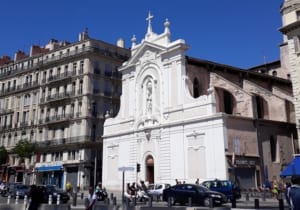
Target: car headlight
<point>216,196</point>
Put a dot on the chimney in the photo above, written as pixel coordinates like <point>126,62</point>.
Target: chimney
<point>19,55</point>
<point>5,60</point>
<point>83,35</point>
<point>34,50</point>
<point>121,43</point>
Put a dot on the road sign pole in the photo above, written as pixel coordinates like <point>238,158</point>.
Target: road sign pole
<point>123,183</point>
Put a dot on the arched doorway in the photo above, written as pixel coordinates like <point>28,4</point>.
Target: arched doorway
<point>150,169</point>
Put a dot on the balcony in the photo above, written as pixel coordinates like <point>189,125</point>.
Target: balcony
<point>60,77</point>
<point>68,141</point>
<point>57,97</point>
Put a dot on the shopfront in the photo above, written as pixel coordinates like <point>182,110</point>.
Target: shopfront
<point>245,172</point>
<point>50,175</point>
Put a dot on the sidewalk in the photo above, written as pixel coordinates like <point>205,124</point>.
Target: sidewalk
<point>243,203</point>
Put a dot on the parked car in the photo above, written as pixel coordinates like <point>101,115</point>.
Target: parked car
<point>224,186</point>
<point>156,190</point>
<point>199,194</point>
<point>21,190</point>
<point>11,187</point>
<point>47,190</point>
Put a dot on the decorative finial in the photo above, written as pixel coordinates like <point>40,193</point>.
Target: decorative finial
<point>167,25</point>
<point>133,40</point>
<point>149,19</point>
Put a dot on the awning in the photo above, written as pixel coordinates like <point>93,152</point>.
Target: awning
<point>293,168</point>
<point>49,168</point>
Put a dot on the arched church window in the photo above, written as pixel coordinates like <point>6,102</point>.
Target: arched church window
<point>196,88</point>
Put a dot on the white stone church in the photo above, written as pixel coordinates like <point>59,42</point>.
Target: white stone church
<point>161,125</point>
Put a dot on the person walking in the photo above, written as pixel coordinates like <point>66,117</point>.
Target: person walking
<point>294,193</point>
<point>34,197</point>
<point>69,188</point>
<point>91,199</point>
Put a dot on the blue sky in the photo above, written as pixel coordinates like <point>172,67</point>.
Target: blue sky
<point>241,33</point>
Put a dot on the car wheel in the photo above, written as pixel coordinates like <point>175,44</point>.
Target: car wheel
<point>206,202</point>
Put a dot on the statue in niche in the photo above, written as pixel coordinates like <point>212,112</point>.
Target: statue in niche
<point>149,97</point>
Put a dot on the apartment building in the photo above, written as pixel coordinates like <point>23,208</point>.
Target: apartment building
<point>57,98</point>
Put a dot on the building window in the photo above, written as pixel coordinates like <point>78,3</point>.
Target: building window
<point>298,14</point>
<point>34,98</point>
<point>79,108</point>
<point>73,87</point>
<point>74,68</point>
<point>44,157</point>
<point>63,111</point>
<point>81,66</point>
<point>66,70</point>
<point>274,148</point>
<point>296,44</point>
<point>196,88</point>
<point>80,87</point>
<point>261,111</point>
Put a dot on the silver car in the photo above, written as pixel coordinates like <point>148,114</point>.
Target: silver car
<point>156,190</point>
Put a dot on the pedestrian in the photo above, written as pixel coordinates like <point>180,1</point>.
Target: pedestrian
<point>294,193</point>
<point>275,189</point>
<point>69,188</point>
<point>287,190</point>
<point>34,197</point>
<point>91,199</point>
<point>197,181</point>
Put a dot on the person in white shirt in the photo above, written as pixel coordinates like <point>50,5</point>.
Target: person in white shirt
<point>91,199</point>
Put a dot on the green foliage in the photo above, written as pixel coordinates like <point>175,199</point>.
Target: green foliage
<point>24,149</point>
<point>3,155</point>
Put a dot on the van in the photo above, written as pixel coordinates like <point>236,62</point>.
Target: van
<point>224,186</point>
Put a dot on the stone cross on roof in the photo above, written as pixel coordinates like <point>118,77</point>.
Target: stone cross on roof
<point>149,18</point>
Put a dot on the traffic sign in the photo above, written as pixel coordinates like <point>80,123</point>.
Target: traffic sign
<point>126,168</point>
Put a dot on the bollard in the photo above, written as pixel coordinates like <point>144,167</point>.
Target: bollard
<point>82,195</point>
<point>107,201</point>
<point>127,201</point>
<point>58,199</point>
<point>190,201</point>
<point>8,199</point>
<point>247,196</point>
<point>114,201</point>
<point>25,200</point>
<point>17,198</point>
<point>256,203</point>
<point>233,202</point>
<point>134,201</point>
<point>74,198</point>
<point>170,200</point>
<point>281,204</point>
<point>50,200</point>
<point>150,202</point>
<point>264,195</point>
<point>111,196</point>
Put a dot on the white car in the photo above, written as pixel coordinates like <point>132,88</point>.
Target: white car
<point>156,190</point>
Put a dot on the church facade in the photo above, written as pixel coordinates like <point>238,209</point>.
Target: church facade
<point>186,118</point>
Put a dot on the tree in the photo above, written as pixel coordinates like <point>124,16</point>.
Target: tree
<point>24,149</point>
<point>3,155</point>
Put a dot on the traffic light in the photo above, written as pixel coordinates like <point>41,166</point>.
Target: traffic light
<point>138,167</point>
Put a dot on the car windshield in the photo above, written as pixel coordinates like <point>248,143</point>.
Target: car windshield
<point>202,188</point>
<point>22,187</point>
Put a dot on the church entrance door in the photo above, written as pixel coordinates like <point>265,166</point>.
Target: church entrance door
<point>150,169</point>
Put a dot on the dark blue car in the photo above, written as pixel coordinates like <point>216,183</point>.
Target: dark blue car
<point>224,186</point>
